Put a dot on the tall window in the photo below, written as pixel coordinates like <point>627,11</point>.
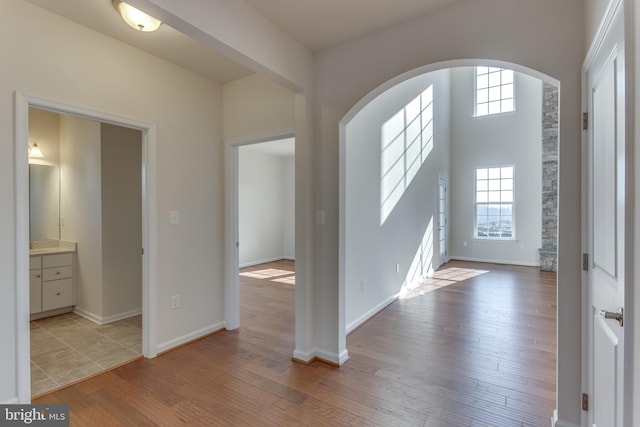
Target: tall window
<point>494,203</point>
<point>494,91</point>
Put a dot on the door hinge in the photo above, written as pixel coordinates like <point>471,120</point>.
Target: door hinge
<point>585,262</point>
<point>585,121</point>
<point>142,251</point>
<point>585,402</point>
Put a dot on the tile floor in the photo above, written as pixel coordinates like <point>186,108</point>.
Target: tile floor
<point>67,348</point>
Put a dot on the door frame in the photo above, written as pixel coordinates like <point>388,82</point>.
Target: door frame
<point>22,103</point>
<point>443,259</point>
<point>232,228</point>
<point>632,323</point>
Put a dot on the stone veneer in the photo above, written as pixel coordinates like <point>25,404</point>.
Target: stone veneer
<point>549,250</point>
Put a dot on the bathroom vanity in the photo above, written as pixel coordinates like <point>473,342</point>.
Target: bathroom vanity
<point>52,279</point>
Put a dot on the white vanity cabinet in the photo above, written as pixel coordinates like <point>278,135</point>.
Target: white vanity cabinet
<point>56,293</point>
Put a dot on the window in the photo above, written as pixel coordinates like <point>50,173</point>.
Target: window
<point>494,91</point>
<point>494,203</point>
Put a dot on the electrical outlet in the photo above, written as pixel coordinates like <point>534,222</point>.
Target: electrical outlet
<point>397,268</point>
<point>174,217</point>
<point>362,285</point>
<point>175,301</point>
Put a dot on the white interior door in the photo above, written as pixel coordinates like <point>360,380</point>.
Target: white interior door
<point>607,210</point>
<point>442,220</point>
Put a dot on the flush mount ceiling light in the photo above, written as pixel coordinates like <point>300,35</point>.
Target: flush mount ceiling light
<point>136,18</point>
<point>34,151</point>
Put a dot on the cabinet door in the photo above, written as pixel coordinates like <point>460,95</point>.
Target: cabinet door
<point>35,291</point>
<point>57,294</point>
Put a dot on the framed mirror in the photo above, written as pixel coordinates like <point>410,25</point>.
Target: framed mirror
<point>44,202</point>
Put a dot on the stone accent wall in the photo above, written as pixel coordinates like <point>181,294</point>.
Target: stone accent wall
<point>549,250</point>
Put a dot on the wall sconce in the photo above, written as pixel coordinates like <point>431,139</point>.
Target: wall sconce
<point>34,151</point>
<point>136,18</point>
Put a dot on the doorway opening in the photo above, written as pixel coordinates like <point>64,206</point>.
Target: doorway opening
<point>106,125</point>
<point>262,238</point>
<point>411,139</point>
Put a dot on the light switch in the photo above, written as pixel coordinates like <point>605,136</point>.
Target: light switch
<point>174,217</point>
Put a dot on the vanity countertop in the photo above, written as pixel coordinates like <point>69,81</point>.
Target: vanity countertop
<point>47,247</point>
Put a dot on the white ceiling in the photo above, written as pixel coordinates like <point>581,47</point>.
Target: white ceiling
<point>317,24</point>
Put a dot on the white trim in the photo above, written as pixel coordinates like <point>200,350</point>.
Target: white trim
<point>149,226</point>
<point>184,339</point>
<point>369,314</point>
<point>316,353</point>
<point>232,258</point>
<point>603,29</point>
<point>100,320</point>
<point>495,261</point>
<point>556,423</point>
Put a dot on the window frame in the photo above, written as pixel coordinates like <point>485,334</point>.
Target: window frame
<point>475,93</point>
<point>512,203</point>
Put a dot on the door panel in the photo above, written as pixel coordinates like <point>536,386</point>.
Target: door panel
<point>606,214</point>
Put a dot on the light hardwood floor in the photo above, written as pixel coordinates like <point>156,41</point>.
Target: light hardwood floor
<point>475,345</point>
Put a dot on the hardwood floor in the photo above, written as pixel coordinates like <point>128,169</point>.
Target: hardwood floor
<point>475,345</point>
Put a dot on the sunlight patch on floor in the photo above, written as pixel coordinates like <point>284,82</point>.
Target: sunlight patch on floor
<point>441,279</point>
<point>272,274</point>
<point>267,273</point>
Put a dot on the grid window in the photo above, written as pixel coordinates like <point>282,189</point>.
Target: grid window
<point>494,203</point>
<point>495,91</point>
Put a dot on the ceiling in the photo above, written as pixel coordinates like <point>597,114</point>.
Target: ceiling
<point>315,24</point>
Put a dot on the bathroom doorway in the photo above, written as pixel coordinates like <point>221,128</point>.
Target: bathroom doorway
<point>109,311</point>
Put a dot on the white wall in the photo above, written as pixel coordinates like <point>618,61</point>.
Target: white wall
<point>496,140</point>
<point>265,204</point>
<point>78,66</point>
<point>373,244</point>
<point>121,173</point>
<point>81,206</point>
<point>254,107</point>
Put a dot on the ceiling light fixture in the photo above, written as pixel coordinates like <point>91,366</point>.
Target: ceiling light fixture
<point>34,151</point>
<point>136,18</point>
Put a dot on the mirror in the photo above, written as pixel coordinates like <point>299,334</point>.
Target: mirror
<point>44,202</point>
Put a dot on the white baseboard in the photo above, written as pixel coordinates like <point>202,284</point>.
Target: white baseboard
<point>12,401</point>
<point>557,423</point>
<point>168,345</point>
<point>495,261</point>
<point>264,261</point>
<point>100,320</point>
<point>316,353</point>
<point>369,314</point>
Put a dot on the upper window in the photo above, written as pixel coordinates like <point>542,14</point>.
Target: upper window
<point>494,91</point>
<point>494,203</point>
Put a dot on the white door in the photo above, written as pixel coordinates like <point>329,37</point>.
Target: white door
<point>608,209</point>
<point>442,220</point>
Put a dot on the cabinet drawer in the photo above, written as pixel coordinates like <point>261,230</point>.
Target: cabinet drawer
<point>57,260</point>
<point>35,262</point>
<point>57,273</point>
<point>57,294</point>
